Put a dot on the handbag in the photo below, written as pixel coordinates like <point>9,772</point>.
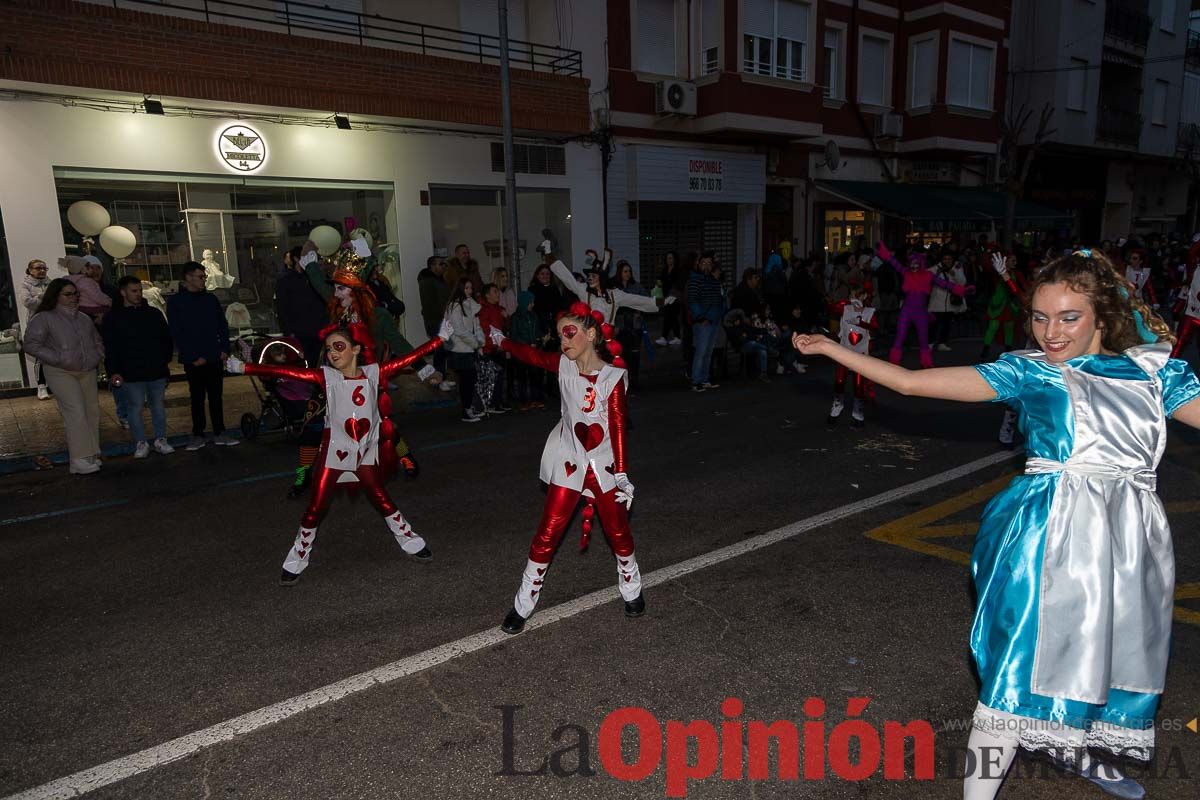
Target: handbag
<point>485,379</point>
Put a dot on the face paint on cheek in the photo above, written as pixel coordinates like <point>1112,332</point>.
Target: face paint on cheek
<point>569,331</point>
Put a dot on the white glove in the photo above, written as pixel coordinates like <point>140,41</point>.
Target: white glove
<point>669,299</point>
<point>998,264</point>
<point>624,490</point>
<point>425,372</point>
<point>497,336</point>
<point>234,365</point>
<point>445,330</point>
<point>308,258</point>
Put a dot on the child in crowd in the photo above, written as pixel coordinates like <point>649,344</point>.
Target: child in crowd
<point>92,299</point>
<point>493,318</point>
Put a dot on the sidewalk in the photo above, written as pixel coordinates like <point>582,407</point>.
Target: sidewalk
<point>30,427</point>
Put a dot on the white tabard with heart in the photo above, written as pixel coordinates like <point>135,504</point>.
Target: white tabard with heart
<point>853,330</point>
<point>582,438</point>
<point>353,414</point>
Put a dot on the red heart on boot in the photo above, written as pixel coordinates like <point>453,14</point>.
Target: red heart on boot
<point>855,337</point>
<point>357,428</point>
<point>623,562</point>
<point>301,553</point>
<point>541,571</point>
<point>341,454</point>
<point>589,435</point>
<point>570,468</point>
<point>533,593</point>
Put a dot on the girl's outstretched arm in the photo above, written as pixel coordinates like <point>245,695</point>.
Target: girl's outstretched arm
<point>1189,413</point>
<point>964,384</point>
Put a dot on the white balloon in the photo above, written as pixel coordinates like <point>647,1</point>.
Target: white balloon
<point>326,238</point>
<point>88,218</point>
<point>118,242</point>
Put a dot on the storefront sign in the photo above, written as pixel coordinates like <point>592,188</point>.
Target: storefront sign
<point>704,175</point>
<point>241,148</point>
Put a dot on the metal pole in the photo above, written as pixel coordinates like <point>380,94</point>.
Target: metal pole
<point>510,176</point>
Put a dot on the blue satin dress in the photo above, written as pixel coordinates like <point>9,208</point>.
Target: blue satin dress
<point>1073,563</point>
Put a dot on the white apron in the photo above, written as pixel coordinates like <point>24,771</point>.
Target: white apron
<point>353,420</point>
<point>581,438</point>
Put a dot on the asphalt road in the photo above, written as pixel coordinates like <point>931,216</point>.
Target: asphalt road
<point>150,610</point>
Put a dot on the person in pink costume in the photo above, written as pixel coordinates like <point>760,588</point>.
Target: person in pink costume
<point>918,284</point>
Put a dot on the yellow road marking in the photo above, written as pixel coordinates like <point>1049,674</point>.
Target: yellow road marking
<point>918,530</point>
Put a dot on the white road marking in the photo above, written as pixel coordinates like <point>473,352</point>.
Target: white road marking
<point>126,767</point>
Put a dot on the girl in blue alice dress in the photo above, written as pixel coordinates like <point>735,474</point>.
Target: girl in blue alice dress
<point>1073,563</point>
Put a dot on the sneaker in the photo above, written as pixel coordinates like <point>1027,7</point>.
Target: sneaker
<point>513,622</point>
<point>697,387</point>
<point>675,342</point>
<point>661,341</point>
<point>95,460</point>
<point>195,443</point>
<point>945,348</point>
<point>124,423</point>
<point>471,416</point>
<point>800,368</point>
<point>161,446</point>
<point>497,410</point>
<point>288,578</point>
<point>225,440</point>
<point>408,463</point>
<point>141,450</point>
<point>82,466</point>
<point>708,385</point>
<point>43,393</point>
<point>446,386</point>
<point>779,369</point>
<point>424,555</point>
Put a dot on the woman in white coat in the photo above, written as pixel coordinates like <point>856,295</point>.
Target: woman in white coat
<point>462,313</point>
<point>598,295</point>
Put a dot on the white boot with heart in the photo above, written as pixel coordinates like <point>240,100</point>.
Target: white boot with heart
<point>405,536</point>
<point>531,588</point>
<point>297,558</point>
<point>629,577</point>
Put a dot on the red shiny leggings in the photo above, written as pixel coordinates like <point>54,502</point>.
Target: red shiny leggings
<point>560,507</point>
<point>1183,335</point>
<point>370,482</point>
<point>839,383</point>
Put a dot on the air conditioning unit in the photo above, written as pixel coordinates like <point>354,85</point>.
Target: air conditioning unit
<point>889,126</point>
<point>675,97</point>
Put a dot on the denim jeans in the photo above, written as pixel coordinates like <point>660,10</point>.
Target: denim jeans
<point>704,336</point>
<point>136,395</point>
<point>752,348</point>
<point>121,401</point>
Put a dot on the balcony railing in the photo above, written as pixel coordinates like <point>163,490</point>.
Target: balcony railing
<point>308,19</point>
<point>1119,126</point>
<point>1128,23</point>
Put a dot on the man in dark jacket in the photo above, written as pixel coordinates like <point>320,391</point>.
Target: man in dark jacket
<point>435,294</point>
<point>707,306</point>
<point>137,352</point>
<point>200,332</point>
<point>301,310</point>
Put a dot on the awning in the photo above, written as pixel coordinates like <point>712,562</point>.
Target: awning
<point>945,209</point>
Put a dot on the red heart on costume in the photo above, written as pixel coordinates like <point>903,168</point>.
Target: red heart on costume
<point>589,435</point>
<point>541,571</point>
<point>301,553</point>
<point>538,583</point>
<point>570,468</point>
<point>533,593</point>
<point>628,578</point>
<point>341,454</point>
<point>855,337</point>
<point>357,428</point>
<point>610,470</point>
<point>624,563</point>
<point>306,534</point>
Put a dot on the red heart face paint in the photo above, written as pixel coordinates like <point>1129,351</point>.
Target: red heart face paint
<point>569,331</point>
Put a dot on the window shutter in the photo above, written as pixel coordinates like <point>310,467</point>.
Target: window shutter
<point>656,36</point>
<point>793,21</point>
<point>758,18</point>
<point>922,74</point>
<point>873,71</point>
<point>958,82</point>
<point>981,77</point>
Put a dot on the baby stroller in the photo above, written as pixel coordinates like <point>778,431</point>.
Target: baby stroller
<point>288,406</point>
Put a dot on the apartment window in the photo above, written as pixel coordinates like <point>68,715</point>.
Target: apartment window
<point>969,83</point>
<point>1077,77</point>
<point>833,59</point>
<point>1158,108</point>
<point>656,37</point>
<point>1166,19</point>
<point>874,58</point>
<point>532,159</point>
<point>710,37</point>
<point>923,58</point>
<point>775,38</point>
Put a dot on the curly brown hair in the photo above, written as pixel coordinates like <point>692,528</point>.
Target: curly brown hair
<point>1114,298</point>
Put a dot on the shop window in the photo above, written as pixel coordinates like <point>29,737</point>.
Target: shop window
<point>849,228</point>
<point>475,216</point>
<point>239,230</point>
<point>532,159</point>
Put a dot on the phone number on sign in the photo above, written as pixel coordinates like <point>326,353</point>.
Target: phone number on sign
<point>704,184</point>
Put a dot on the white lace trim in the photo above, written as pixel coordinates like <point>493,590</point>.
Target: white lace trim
<point>1062,740</point>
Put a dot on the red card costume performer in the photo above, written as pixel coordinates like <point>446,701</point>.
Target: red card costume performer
<point>1189,323</point>
<point>584,456</point>
<point>858,322</point>
<point>350,445</point>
